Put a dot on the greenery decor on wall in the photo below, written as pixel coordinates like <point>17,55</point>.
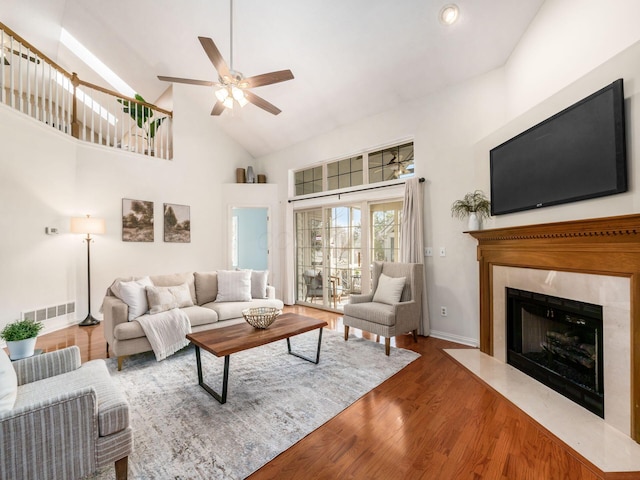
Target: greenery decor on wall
<point>177,223</point>
<point>20,330</point>
<point>474,205</point>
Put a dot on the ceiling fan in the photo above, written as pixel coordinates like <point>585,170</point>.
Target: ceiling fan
<point>232,87</point>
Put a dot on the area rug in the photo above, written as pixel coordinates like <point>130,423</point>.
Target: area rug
<point>274,400</point>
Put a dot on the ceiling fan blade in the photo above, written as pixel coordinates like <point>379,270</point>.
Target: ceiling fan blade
<point>190,81</point>
<point>218,108</point>
<point>269,78</point>
<point>261,102</point>
<point>215,56</point>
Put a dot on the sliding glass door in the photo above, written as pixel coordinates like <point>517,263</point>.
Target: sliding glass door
<point>331,243</point>
<point>328,255</point>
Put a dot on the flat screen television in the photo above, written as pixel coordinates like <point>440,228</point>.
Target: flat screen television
<point>577,154</point>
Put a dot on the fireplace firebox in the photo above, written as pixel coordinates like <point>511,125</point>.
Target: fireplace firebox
<point>558,342</point>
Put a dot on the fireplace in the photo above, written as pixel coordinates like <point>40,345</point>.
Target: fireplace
<point>593,260</point>
<point>558,342</point>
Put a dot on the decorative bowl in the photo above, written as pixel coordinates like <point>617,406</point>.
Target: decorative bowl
<point>261,317</point>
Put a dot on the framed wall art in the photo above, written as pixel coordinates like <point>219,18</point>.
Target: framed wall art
<point>177,223</point>
<point>137,220</point>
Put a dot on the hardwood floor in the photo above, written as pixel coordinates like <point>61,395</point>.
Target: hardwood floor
<point>432,420</point>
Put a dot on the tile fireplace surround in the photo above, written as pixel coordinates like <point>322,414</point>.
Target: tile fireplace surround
<point>594,260</point>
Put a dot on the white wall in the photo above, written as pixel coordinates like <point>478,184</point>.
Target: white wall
<point>566,40</point>
<point>455,128</point>
<point>445,126</point>
<point>37,190</point>
<point>46,177</point>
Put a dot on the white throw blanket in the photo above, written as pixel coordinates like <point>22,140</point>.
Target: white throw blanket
<point>166,331</point>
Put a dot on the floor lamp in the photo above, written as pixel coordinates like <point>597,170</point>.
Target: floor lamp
<point>87,225</point>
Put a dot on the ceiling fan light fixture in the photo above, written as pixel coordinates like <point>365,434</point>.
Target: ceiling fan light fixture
<point>222,94</point>
<point>237,93</point>
<point>242,101</point>
<point>449,14</point>
<point>228,102</point>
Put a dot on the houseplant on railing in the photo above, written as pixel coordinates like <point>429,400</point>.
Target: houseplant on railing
<point>142,115</point>
<point>474,205</point>
<point>21,337</point>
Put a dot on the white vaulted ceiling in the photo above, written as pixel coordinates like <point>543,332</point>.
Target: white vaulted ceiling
<point>350,58</point>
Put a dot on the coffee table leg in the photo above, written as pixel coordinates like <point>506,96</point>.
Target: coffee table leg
<point>317,360</point>
<point>225,379</point>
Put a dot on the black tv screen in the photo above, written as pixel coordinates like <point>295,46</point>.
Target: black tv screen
<point>577,154</point>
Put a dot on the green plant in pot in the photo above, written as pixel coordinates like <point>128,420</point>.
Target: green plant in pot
<point>21,337</point>
<point>142,115</point>
<point>474,205</point>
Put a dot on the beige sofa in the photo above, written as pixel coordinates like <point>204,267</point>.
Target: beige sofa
<point>125,337</point>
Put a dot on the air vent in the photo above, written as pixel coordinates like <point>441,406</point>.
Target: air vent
<point>46,313</point>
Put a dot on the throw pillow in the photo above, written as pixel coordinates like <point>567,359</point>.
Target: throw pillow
<point>206,286</point>
<point>161,299</point>
<point>234,286</point>
<point>133,293</point>
<point>8,383</point>
<point>389,289</point>
<point>259,283</point>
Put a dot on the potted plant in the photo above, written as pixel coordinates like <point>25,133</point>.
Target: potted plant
<point>21,337</point>
<point>141,114</point>
<point>474,205</point>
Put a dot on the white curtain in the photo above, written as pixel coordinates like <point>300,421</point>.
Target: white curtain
<point>412,241</point>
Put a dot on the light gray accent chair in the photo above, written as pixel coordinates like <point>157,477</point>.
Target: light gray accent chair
<point>388,320</point>
<point>68,420</point>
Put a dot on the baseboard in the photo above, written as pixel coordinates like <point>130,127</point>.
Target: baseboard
<point>472,342</point>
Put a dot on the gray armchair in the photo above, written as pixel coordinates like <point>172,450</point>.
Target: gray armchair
<point>67,421</point>
<point>388,319</point>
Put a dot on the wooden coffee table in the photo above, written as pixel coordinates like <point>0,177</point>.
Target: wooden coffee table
<point>224,341</point>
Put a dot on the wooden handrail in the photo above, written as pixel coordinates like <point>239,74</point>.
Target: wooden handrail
<point>35,50</point>
<point>73,77</point>
<point>124,97</point>
<point>105,130</point>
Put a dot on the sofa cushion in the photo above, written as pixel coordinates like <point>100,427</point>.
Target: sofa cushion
<point>200,316</point>
<point>379,313</point>
<point>206,287</point>
<point>234,286</point>
<point>133,293</point>
<point>197,316</point>
<point>226,310</point>
<point>174,279</point>
<point>389,289</point>
<point>162,299</point>
<point>259,280</point>
<point>113,409</point>
<point>8,383</point>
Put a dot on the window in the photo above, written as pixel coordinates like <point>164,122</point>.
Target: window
<point>383,165</point>
<point>345,173</point>
<point>385,231</point>
<point>308,181</point>
<point>391,163</point>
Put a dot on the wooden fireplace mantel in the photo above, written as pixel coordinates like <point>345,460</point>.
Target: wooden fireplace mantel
<point>601,246</point>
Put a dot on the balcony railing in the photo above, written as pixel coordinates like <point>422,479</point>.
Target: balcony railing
<point>36,86</point>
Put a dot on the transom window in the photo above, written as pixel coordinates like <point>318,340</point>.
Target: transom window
<point>345,173</point>
<point>308,181</point>
<point>389,163</point>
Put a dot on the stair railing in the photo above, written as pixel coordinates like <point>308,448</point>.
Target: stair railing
<point>33,84</point>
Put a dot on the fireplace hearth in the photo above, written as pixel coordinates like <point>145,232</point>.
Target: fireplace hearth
<point>558,342</point>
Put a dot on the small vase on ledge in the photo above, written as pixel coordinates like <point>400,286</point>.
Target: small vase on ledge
<point>474,222</point>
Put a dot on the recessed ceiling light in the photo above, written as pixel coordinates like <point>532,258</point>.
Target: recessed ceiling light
<point>449,14</point>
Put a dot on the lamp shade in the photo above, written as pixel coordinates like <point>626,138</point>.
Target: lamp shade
<point>87,225</point>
